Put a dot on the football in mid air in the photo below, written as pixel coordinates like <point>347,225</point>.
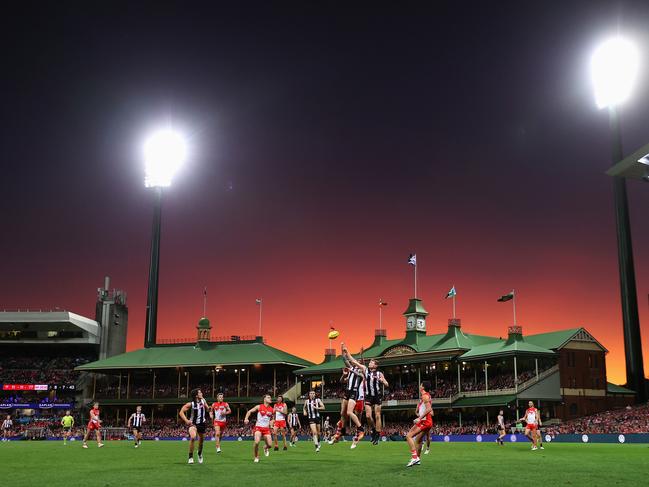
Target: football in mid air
<point>333,334</point>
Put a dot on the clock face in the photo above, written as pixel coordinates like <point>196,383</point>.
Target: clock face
<point>421,324</point>
<point>410,323</point>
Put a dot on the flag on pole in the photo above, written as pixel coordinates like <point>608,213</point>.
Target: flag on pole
<point>412,260</point>
<point>382,303</point>
<point>506,297</point>
<point>258,300</point>
<point>451,294</point>
<point>205,291</point>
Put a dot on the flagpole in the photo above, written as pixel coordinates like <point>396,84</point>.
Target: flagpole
<point>261,305</point>
<point>204,301</point>
<point>380,315</point>
<point>514,304</point>
<point>454,302</point>
<point>415,280</point>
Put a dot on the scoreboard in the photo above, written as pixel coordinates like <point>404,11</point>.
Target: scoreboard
<point>38,387</point>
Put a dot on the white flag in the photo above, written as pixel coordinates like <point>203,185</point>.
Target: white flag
<point>412,260</point>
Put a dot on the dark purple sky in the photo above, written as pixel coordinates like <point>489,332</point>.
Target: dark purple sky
<point>328,142</point>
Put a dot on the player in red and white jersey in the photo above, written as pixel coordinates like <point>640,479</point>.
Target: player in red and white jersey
<point>422,424</point>
<point>93,425</point>
<point>279,426</point>
<point>531,418</point>
<point>220,411</point>
<point>358,410</point>
<point>262,426</point>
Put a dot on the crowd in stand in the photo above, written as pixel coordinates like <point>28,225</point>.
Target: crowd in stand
<point>164,390</point>
<point>627,420</point>
<point>41,370</point>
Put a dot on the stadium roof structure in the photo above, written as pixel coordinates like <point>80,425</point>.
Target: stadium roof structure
<point>615,389</point>
<point>205,354</point>
<point>514,345</point>
<point>47,326</point>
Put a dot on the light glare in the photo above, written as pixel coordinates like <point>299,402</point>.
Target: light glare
<point>164,153</point>
<point>614,67</point>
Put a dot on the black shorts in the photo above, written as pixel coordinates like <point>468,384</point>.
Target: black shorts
<point>67,429</point>
<point>137,428</point>
<point>200,428</point>
<point>351,395</point>
<point>314,420</point>
<point>373,400</point>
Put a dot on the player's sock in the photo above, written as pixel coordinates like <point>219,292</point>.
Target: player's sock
<point>191,455</point>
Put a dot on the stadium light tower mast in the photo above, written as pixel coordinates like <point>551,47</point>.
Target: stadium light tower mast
<point>614,69</point>
<point>165,152</point>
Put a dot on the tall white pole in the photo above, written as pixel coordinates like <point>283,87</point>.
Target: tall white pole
<point>205,301</point>
<point>380,315</point>
<point>454,305</point>
<point>261,304</point>
<point>514,304</point>
<point>415,281</point>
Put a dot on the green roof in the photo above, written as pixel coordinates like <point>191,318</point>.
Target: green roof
<point>484,401</point>
<point>553,339</point>
<point>514,345</point>
<point>415,307</point>
<point>456,339</point>
<point>208,354</point>
<point>615,389</point>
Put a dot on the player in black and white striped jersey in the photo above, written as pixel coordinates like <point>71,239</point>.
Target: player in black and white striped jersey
<point>7,424</point>
<point>374,383</point>
<point>294,424</point>
<point>197,422</point>
<point>312,407</point>
<point>355,381</point>
<point>136,421</point>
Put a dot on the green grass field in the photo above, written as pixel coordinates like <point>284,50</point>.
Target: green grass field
<point>455,464</point>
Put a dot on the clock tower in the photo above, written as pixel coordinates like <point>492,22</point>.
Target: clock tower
<point>415,320</point>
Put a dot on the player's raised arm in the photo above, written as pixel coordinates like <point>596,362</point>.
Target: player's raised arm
<point>182,414</point>
<point>246,420</point>
<point>351,359</point>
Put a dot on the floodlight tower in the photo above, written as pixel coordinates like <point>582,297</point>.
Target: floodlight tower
<point>164,153</point>
<point>614,69</point>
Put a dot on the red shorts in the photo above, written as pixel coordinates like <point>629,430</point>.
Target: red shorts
<point>530,426</point>
<point>280,423</point>
<point>360,405</point>
<point>425,425</point>
<point>93,426</point>
<point>220,424</point>
<point>262,430</point>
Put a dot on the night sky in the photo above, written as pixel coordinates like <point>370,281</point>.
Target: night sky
<point>327,143</point>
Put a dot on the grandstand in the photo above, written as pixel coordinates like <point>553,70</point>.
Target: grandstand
<point>160,377</point>
<point>473,376</point>
<point>39,350</point>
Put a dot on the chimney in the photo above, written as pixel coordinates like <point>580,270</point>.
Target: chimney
<point>380,335</point>
<point>456,322</point>
<point>329,355</point>
<point>106,283</point>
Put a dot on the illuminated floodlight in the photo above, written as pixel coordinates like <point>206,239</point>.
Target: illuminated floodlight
<point>614,68</point>
<point>165,152</point>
